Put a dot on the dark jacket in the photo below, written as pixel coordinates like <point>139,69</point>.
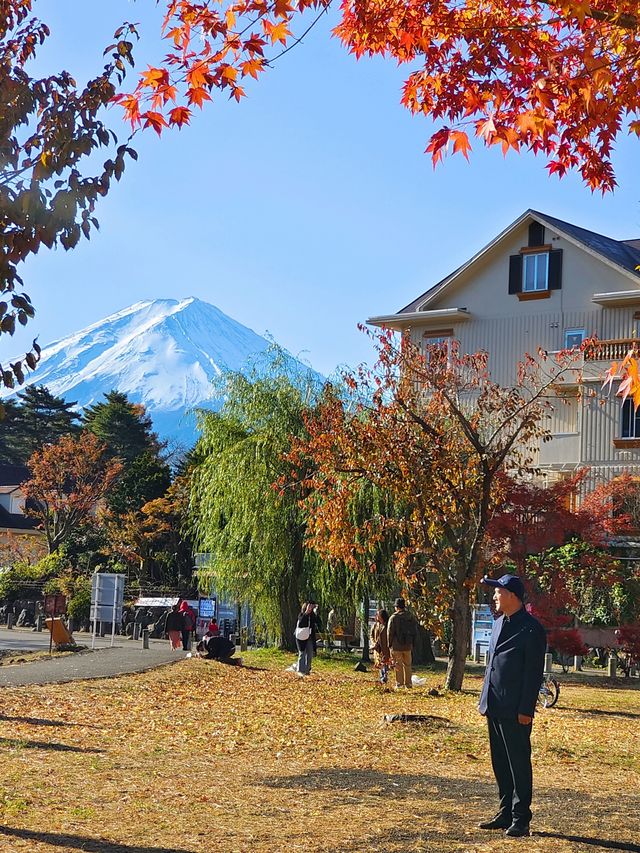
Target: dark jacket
<point>402,630</point>
<point>303,622</point>
<point>175,621</point>
<point>515,666</point>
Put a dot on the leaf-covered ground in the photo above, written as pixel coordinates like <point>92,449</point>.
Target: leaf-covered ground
<point>203,757</point>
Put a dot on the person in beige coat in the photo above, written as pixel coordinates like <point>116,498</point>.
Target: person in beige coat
<point>401,635</point>
<point>380,645</point>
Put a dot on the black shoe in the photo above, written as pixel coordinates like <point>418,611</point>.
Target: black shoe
<point>497,822</point>
<point>518,830</point>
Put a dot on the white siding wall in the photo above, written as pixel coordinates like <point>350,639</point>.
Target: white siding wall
<point>507,327</point>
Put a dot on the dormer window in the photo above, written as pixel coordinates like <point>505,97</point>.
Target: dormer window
<point>535,272</point>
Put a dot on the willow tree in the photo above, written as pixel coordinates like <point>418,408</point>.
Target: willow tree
<point>244,498</point>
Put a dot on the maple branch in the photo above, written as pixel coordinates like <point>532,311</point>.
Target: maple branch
<point>297,41</point>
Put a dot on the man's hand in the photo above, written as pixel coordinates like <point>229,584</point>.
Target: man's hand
<point>524,720</point>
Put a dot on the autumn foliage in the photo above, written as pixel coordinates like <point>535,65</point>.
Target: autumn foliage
<point>49,128</point>
<point>562,551</point>
<point>556,78</point>
<point>431,431</point>
<point>68,479</point>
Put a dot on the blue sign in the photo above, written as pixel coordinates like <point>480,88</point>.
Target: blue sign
<point>207,608</point>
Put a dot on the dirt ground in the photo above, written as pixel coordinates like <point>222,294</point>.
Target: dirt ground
<point>201,757</point>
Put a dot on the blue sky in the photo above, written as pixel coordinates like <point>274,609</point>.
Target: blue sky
<point>302,211</point>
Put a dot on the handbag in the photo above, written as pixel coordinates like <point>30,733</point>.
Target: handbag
<point>303,633</point>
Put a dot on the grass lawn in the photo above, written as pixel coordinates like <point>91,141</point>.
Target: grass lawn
<point>203,758</point>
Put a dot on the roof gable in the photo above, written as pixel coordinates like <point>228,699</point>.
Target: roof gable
<point>623,255</point>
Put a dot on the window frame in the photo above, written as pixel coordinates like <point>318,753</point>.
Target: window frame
<point>567,332</point>
<point>533,258</point>
<point>629,419</point>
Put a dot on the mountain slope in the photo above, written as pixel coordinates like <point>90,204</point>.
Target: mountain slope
<point>163,353</point>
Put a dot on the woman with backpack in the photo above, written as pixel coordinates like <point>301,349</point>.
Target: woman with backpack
<point>306,635</point>
<point>189,623</point>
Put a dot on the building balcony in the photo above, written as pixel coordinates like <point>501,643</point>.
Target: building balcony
<point>609,351</point>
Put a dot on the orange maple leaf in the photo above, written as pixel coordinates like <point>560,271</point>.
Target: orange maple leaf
<point>155,120</point>
<point>252,67</point>
<point>461,143</point>
<point>180,116</point>
<point>198,96</point>
<point>155,77</point>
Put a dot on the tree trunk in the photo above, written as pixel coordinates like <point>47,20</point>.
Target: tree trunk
<point>422,651</point>
<point>366,658</point>
<point>289,609</point>
<point>460,630</point>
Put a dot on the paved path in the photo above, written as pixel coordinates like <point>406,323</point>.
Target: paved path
<point>126,656</point>
<point>24,639</point>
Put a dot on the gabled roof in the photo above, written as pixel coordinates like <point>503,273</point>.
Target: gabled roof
<point>16,521</point>
<point>13,475</point>
<point>624,255</point>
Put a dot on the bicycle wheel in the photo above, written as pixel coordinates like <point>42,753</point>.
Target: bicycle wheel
<point>549,692</point>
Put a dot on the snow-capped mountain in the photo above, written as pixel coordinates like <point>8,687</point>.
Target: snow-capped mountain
<point>163,353</point>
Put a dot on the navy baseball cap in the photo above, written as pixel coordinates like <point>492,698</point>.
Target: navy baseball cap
<point>510,582</point>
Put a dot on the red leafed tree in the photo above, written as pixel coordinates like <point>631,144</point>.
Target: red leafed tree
<point>68,480</point>
<point>435,434</point>
<point>628,637</point>
<point>557,78</point>
<point>561,550</point>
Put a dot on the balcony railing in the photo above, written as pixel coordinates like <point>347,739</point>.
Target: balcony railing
<point>611,350</point>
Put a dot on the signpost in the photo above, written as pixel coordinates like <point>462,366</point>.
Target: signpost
<point>107,596</point>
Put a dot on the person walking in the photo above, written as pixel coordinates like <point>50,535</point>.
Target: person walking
<point>515,666</point>
<point>306,635</point>
<point>402,630</point>
<point>189,623</point>
<point>174,626</point>
<point>380,645</point>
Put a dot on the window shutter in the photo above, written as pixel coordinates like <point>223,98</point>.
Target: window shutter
<point>536,234</point>
<point>515,274</point>
<point>555,269</point>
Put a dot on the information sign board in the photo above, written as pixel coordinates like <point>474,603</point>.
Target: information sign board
<point>207,608</point>
<point>107,596</point>
<point>481,625</point>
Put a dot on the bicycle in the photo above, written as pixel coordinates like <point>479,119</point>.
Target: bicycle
<point>549,691</point>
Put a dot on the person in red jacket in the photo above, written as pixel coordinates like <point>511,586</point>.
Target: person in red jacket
<point>189,617</point>
<point>214,629</point>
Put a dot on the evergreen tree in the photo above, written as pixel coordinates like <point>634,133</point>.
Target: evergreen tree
<point>36,418</point>
<point>127,431</point>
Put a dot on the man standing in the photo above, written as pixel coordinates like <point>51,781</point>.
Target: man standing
<point>515,666</point>
<point>401,635</point>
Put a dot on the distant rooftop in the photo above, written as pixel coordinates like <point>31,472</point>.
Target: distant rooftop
<point>13,475</point>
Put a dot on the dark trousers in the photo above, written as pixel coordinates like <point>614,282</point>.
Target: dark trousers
<point>186,636</point>
<point>510,744</point>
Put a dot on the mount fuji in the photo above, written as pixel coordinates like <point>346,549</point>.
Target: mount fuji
<point>163,353</point>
